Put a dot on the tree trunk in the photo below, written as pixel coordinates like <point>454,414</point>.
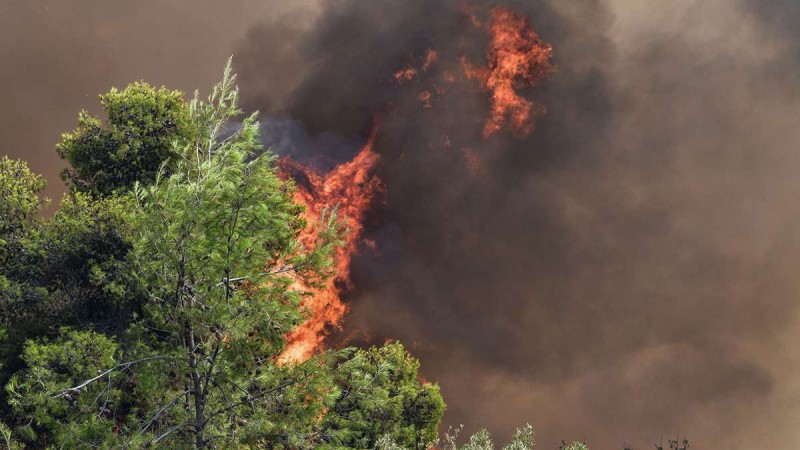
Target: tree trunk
<point>199,395</point>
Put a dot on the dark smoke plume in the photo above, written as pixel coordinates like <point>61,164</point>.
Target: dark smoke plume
<point>623,273</point>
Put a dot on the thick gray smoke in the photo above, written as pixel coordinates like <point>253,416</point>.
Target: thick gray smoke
<point>626,272</point>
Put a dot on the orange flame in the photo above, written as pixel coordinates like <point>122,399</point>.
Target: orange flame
<point>517,56</point>
<point>352,188</point>
<point>408,74</point>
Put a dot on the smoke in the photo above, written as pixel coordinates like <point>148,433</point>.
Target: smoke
<point>623,273</point>
<point>56,58</point>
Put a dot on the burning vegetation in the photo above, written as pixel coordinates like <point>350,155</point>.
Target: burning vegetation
<point>516,59</point>
<point>351,188</point>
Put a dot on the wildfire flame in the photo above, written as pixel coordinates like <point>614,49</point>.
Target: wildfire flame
<point>351,188</point>
<point>517,56</point>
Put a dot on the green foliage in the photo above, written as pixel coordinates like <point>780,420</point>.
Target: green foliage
<point>482,440</point>
<point>217,252</point>
<point>150,310</point>
<point>380,395</point>
<point>386,442</point>
<point>73,269</point>
<point>46,396</point>
<point>20,240</point>
<point>144,126</point>
<point>7,438</point>
<point>92,240</point>
<point>21,256</point>
<point>675,444</point>
<point>522,440</point>
<point>19,227</point>
<point>19,196</point>
<point>573,446</point>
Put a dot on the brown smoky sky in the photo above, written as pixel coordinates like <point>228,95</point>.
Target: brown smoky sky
<point>626,273</point>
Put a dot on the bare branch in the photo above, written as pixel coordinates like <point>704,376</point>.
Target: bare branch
<point>121,366</point>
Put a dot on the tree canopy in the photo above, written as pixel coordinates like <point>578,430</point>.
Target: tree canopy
<point>143,128</point>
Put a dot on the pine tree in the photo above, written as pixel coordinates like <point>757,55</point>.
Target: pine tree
<point>169,301</point>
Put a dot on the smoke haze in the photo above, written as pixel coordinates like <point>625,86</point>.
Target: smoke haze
<point>627,271</point>
<point>57,57</point>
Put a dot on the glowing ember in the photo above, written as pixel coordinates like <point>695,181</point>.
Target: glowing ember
<point>425,98</point>
<point>408,74</point>
<point>405,75</point>
<point>430,58</point>
<point>473,161</point>
<point>517,56</point>
<point>351,188</point>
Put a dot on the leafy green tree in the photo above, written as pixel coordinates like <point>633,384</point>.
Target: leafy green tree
<point>143,128</point>
<point>74,269</point>
<point>76,418</point>
<point>218,252</point>
<point>21,255</point>
<point>482,440</point>
<point>380,395</point>
<point>522,440</point>
<point>8,438</point>
<point>215,248</point>
<point>88,265</point>
<point>164,308</point>
<point>573,446</point>
<point>63,271</point>
<point>20,244</point>
<point>19,196</point>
